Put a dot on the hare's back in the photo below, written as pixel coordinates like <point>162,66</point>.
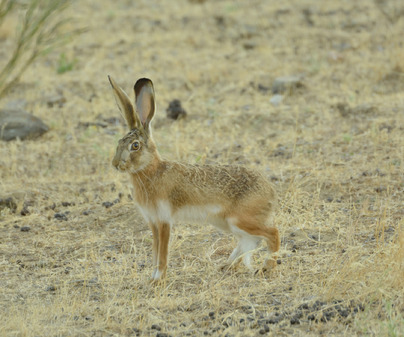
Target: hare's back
<point>235,182</point>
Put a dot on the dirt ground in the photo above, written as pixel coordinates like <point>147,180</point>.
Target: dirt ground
<point>75,255</point>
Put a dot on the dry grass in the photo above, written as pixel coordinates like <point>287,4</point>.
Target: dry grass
<point>339,173</point>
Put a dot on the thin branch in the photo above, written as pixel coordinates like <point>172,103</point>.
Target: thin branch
<point>39,33</point>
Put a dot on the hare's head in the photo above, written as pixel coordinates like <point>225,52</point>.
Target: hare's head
<point>136,149</point>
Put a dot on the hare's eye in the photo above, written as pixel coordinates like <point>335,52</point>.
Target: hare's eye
<point>135,146</point>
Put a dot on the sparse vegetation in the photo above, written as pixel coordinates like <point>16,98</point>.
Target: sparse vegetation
<point>41,29</point>
<point>64,64</point>
<point>75,253</point>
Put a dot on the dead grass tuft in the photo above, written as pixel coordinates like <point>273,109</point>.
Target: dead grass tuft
<point>75,254</point>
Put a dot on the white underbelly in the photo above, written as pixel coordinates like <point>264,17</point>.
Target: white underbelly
<point>206,214</point>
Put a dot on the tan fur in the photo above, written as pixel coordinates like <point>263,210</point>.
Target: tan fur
<point>233,198</point>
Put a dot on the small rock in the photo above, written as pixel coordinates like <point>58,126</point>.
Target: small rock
<point>67,204</point>
<point>304,306</point>
<point>155,327</point>
<point>294,320</point>
<point>136,331</point>
<point>24,211</point>
<point>276,99</point>
<point>248,45</point>
<point>8,202</point>
<point>25,229</point>
<point>380,189</point>
<point>286,83</point>
<point>107,204</point>
<point>60,216</point>
<point>175,110</point>
<point>263,331</point>
<point>262,88</point>
<point>20,124</point>
<point>58,100</point>
<point>318,305</point>
<point>273,320</point>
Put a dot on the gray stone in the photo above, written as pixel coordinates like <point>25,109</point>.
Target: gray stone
<point>16,104</point>
<point>276,99</point>
<point>20,124</point>
<point>286,83</point>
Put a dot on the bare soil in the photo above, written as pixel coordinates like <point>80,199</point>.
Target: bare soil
<point>75,255</point>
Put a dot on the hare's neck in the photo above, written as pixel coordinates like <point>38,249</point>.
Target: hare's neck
<point>152,169</point>
<point>145,180</point>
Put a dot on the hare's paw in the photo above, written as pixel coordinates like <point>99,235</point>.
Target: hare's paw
<point>271,263</point>
<point>157,276</point>
<point>268,267</point>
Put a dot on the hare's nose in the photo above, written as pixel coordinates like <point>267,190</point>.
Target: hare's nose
<point>115,162</point>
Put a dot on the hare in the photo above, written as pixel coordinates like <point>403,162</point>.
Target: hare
<point>232,198</point>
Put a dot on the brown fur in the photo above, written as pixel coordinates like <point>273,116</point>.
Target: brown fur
<point>229,195</point>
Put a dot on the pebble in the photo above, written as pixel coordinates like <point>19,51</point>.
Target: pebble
<point>286,83</point>
<point>136,331</point>
<point>51,288</point>
<point>25,229</point>
<point>8,202</point>
<point>57,99</point>
<point>155,327</point>
<point>60,216</point>
<point>107,204</point>
<point>175,110</point>
<point>276,99</point>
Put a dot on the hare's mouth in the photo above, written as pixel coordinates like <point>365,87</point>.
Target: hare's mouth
<point>120,166</point>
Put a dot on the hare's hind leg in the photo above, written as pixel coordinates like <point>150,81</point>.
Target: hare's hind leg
<point>250,232</point>
<point>247,243</point>
<point>274,242</point>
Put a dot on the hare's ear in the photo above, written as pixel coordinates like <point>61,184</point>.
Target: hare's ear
<point>125,105</point>
<point>145,103</point>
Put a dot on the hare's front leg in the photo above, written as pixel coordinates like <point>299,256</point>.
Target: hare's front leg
<point>161,237</point>
<point>155,232</point>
